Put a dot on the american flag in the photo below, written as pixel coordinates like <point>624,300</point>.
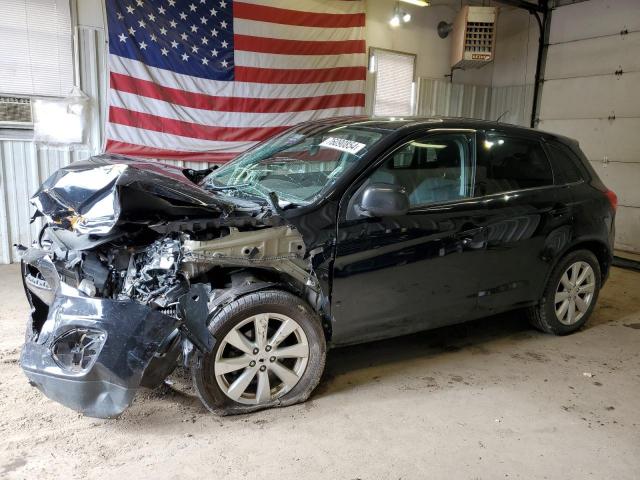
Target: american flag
<point>204,80</point>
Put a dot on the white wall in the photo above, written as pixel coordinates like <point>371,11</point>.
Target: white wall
<point>418,36</point>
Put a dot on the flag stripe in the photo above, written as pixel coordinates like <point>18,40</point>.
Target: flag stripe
<point>291,32</point>
<point>164,108</point>
<point>188,83</point>
<point>189,129</point>
<point>296,17</point>
<point>168,141</point>
<point>275,61</point>
<point>115,146</point>
<point>297,47</point>
<point>203,101</point>
<point>318,6</point>
<point>300,76</point>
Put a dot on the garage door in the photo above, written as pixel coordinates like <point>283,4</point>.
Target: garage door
<point>592,93</point>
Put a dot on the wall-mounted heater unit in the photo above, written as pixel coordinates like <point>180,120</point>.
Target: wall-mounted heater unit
<point>473,37</point>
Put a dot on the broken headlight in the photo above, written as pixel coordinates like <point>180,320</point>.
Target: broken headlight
<point>77,350</point>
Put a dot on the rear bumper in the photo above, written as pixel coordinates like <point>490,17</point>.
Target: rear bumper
<point>89,354</point>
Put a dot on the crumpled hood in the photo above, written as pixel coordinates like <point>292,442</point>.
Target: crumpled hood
<point>94,196</point>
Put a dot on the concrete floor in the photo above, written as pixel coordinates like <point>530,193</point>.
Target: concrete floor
<point>490,399</point>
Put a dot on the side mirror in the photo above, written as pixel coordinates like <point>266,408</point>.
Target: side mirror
<point>384,200</point>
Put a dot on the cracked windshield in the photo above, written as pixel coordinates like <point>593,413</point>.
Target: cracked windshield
<point>297,165</point>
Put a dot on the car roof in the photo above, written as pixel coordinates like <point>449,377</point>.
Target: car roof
<point>408,124</point>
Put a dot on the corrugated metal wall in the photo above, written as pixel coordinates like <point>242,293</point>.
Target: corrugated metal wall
<point>440,97</point>
<point>443,98</point>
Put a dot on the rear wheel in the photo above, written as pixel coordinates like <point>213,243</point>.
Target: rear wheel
<point>570,295</point>
<point>270,351</point>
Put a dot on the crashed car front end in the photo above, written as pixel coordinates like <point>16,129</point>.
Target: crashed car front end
<point>126,275</point>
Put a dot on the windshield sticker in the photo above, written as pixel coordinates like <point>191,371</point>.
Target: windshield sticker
<point>343,145</point>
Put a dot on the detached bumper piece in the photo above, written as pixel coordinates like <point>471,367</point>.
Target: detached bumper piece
<point>89,354</point>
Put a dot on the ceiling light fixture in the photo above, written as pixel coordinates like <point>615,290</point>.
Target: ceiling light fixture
<point>395,20</point>
<point>406,17</point>
<point>419,3</point>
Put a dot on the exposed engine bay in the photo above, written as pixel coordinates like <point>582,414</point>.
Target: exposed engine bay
<point>144,246</point>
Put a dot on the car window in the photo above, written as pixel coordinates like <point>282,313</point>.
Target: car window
<point>432,169</point>
<point>509,163</point>
<point>564,164</point>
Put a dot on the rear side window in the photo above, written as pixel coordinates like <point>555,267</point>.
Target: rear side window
<point>510,163</point>
<point>565,168</point>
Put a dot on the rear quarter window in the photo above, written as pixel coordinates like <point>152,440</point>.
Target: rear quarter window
<point>565,163</point>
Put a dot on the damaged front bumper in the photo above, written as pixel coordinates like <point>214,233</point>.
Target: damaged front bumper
<point>89,354</point>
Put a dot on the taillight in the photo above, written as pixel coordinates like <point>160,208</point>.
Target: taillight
<point>613,198</point>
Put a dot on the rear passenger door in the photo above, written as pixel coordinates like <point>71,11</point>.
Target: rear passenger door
<point>528,215</point>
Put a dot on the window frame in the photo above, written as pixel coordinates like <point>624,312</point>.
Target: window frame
<point>374,71</point>
<point>359,182</point>
<point>482,136</point>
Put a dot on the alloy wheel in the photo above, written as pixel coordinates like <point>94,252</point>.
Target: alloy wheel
<point>574,293</point>
<point>261,359</point>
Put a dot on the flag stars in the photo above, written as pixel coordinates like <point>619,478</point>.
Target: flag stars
<point>205,61</point>
<point>152,17</point>
<point>172,3</point>
<point>205,41</point>
<point>214,53</point>
<point>139,3</point>
<point>164,51</point>
<point>223,4</point>
<point>161,10</point>
<point>194,49</point>
<point>141,23</point>
<point>174,44</point>
<point>173,24</point>
<point>184,36</point>
<point>214,12</point>
<point>224,64</point>
<point>194,28</point>
<point>192,7</point>
<point>163,30</point>
<point>214,33</point>
<point>203,20</point>
<point>223,24</point>
<point>224,44</point>
<point>130,9</point>
<point>120,16</point>
<point>154,38</point>
<point>143,45</point>
<point>183,16</point>
<point>122,37</point>
<point>185,57</point>
<point>132,31</point>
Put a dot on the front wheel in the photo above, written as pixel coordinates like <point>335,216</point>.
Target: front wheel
<point>570,295</point>
<point>270,351</point>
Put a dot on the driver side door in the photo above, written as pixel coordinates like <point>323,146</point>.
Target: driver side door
<point>418,270</point>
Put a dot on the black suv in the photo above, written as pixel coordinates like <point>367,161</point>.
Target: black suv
<point>334,232</point>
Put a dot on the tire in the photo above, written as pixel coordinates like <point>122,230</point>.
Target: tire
<point>545,317</point>
<point>243,317</point>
